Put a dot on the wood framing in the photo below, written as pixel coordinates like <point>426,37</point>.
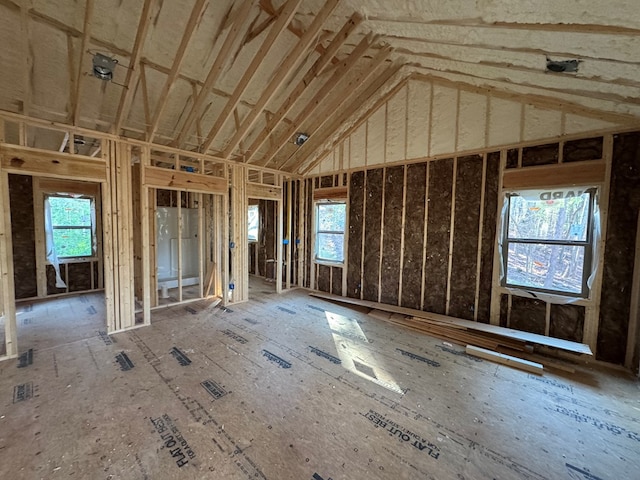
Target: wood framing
<point>568,174</point>
<point>31,161</point>
<point>330,193</point>
<point>156,177</point>
<point>284,17</point>
<point>264,192</point>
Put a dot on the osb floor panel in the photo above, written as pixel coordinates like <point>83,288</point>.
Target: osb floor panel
<point>292,387</point>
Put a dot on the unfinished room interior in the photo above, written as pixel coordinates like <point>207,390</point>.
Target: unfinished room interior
<point>319,239</point>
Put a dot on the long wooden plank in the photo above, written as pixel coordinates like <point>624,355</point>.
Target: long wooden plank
<point>330,193</point>
<point>28,161</point>
<point>508,360</point>
<point>174,180</point>
<point>482,327</point>
<point>566,174</point>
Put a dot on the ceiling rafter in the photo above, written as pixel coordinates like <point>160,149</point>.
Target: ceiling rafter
<point>71,58</point>
<point>215,70</point>
<point>289,63</point>
<point>135,68</point>
<point>86,37</point>
<point>520,68</point>
<point>287,13</point>
<point>317,156</point>
<point>268,7</point>
<point>189,30</point>
<point>507,48</point>
<point>336,104</point>
<point>145,95</point>
<point>272,123</point>
<point>545,27</point>
<point>319,97</point>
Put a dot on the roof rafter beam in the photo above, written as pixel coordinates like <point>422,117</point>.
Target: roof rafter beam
<point>336,104</point>
<point>285,16</point>
<point>86,37</point>
<point>322,61</point>
<point>289,63</point>
<point>189,30</point>
<point>215,70</point>
<point>375,86</point>
<point>330,85</point>
<point>135,68</point>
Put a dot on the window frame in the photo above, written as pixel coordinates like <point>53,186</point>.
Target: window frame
<point>92,228</point>
<point>317,204</point>
<point>588,243</point>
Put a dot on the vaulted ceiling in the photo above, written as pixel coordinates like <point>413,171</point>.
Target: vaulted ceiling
<point>240,79</point>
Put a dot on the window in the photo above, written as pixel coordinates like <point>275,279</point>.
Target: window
<point>254,223</point>
<point>330,226</point>
<point>547,243</point>
<point>71,226</point>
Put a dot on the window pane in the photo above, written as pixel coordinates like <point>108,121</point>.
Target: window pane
<point>330,246</point>
<point>70,212</point>
<point>253,222</point>
<point>546,217</point>
<point>73,242</point>
<point>331,217</point>
<point>549,267</point>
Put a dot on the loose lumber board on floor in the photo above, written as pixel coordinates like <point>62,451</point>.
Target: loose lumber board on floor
<point>508,360</point>
<point>482,327</point>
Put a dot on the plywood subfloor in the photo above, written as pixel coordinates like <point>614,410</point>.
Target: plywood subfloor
<point>293,387</point>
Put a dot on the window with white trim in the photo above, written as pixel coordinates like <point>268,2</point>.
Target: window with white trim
<point>548,240</point>
<point>331,220</point>
<point>72,229</point>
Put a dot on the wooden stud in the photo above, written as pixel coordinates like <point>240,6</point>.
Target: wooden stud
<point>634,311</point>
<point>279,238</point>
<point>284,17</point>
<point>136,69</point>
<point>494,311</point>
<point>288,258</point>
<point>41,248</point>
<point>146,233</point>
<point>189,29</point>
<point>451,232</point>
<point>6,270</point>
<point>547,319</point>
<point>424,237</point>
<point>180,194</point>
<point>380,248</point>
<point>402,227</point>
<point>480,229</point>
<point>303,84</point>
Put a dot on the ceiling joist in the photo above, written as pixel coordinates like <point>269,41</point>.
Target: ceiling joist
<point>86,36</point>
